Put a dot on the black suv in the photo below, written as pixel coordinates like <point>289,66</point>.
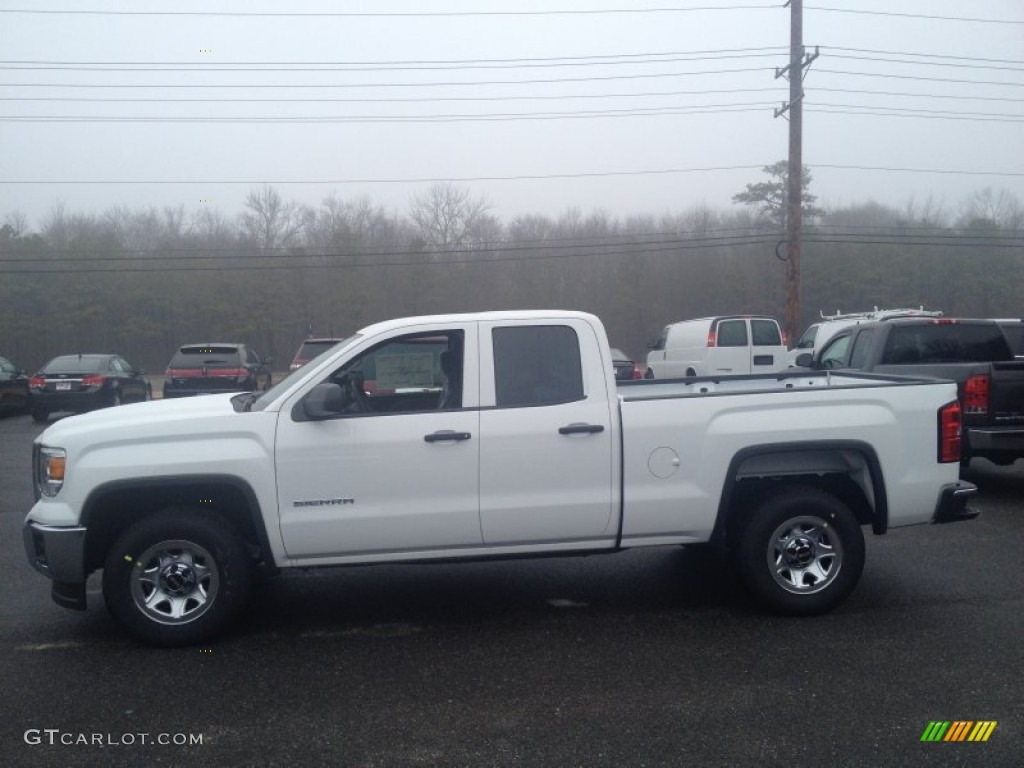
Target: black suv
<point>204,369</point>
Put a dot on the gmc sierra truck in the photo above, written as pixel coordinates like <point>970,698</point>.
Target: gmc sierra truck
<point>974,353</point>
<point>478,436</point>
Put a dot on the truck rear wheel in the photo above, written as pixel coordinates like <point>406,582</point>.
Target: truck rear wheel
<point>176,578</point>
<point>801,552</point>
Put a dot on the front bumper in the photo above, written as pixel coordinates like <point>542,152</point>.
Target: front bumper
<point>952,504</point>
<point>59,554</point>
<point>71,401</point>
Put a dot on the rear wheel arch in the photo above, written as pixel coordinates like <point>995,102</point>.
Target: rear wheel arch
<point>846,469</point>
<point>114,507</point>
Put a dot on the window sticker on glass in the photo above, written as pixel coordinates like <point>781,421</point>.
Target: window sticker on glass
<point>415,369</point>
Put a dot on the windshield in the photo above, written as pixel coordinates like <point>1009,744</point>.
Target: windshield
<point>271,394</point>
<point>807,340</point>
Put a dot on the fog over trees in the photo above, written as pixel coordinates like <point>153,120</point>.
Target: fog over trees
<point>142,281</point>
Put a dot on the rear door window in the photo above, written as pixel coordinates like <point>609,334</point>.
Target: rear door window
<point>536,365</point>
<point>765,333</point>
<point>946,343</point>
<point>731,333</point>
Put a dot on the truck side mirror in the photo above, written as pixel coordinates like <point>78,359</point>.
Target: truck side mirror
<point>325,401</point>
<point>805,360</point>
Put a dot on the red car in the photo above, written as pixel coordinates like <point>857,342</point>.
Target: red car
<point>310,348</point>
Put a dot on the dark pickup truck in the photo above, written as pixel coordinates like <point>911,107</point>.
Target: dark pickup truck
<point>973,353</point>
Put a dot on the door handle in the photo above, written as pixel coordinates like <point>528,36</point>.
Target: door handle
<point>446,434</point>
<point>581,429</point>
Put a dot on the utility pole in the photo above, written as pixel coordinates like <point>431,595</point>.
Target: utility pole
<point>798,60</point>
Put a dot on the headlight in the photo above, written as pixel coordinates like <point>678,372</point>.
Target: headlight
<point>50,470</point>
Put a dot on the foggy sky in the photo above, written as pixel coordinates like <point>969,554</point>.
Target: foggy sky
<point>206,153</point>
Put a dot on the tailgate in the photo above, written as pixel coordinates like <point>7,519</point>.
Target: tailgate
<point>1007,393</point>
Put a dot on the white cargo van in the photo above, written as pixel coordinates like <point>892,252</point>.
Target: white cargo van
<point>714,346</point>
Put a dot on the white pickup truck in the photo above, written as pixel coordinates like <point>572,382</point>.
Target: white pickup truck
<point>477,436</point>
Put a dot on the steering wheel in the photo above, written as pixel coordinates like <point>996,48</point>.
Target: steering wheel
<point>357,395</point>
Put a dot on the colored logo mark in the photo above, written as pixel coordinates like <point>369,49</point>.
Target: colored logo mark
<point>959,730</point>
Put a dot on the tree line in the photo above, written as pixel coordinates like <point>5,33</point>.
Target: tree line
<point>141,282</point>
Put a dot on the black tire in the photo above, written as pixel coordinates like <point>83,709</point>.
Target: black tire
<point>801,552</point>
<point>179,561</point>
<point>648,374</point>
<point>40,414</point>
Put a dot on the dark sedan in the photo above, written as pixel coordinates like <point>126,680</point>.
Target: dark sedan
<point>81,383</point>
<point>203,369</point>
<point>13,387</point>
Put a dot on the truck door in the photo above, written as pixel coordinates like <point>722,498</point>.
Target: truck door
<point>546,449</point>
<point>767,352</point>
<point>731,351</point>
<point>397,471</point>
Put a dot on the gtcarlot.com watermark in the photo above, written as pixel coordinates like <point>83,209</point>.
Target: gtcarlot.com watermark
<point>56,737</point>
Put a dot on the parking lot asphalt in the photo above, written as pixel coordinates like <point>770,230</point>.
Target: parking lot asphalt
<point>642,658</point>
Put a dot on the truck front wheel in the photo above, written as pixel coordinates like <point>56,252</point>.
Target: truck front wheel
<point>176,578</point>
<point>801,552</point>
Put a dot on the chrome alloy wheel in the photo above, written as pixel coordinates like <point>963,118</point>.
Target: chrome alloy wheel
<point>174,582</point>
<point>804,555</point>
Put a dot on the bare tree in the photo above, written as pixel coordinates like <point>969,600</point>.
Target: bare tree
<point>270,221</point>
<point>18,223</point>
<point>447,216</point>
<point>987,208</point>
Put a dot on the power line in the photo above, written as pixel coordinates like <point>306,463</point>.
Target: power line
<point>663,111</point>
<point>423,180</point>
<point>300,252</point>
<point>759,50</point>
<point>762,233</point>
<point>817,89</point>
<point>469,64</point>
<point>919,77</point>
<point>522,177</point>
<point>414,99</point>
<point>710,109</point>
<point>592,78</point>
<point>430,99</point>
<point>913,15</point>
<point>890,169</point>
<point>341,67</point>
<point>956,65</point>
<point>400,14</point>
<point>429,259</point>
<point>425,62</point>
<point>928,115</point>
<point>926,55</point>
<point>654,112</point>
<point>896,230</point>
